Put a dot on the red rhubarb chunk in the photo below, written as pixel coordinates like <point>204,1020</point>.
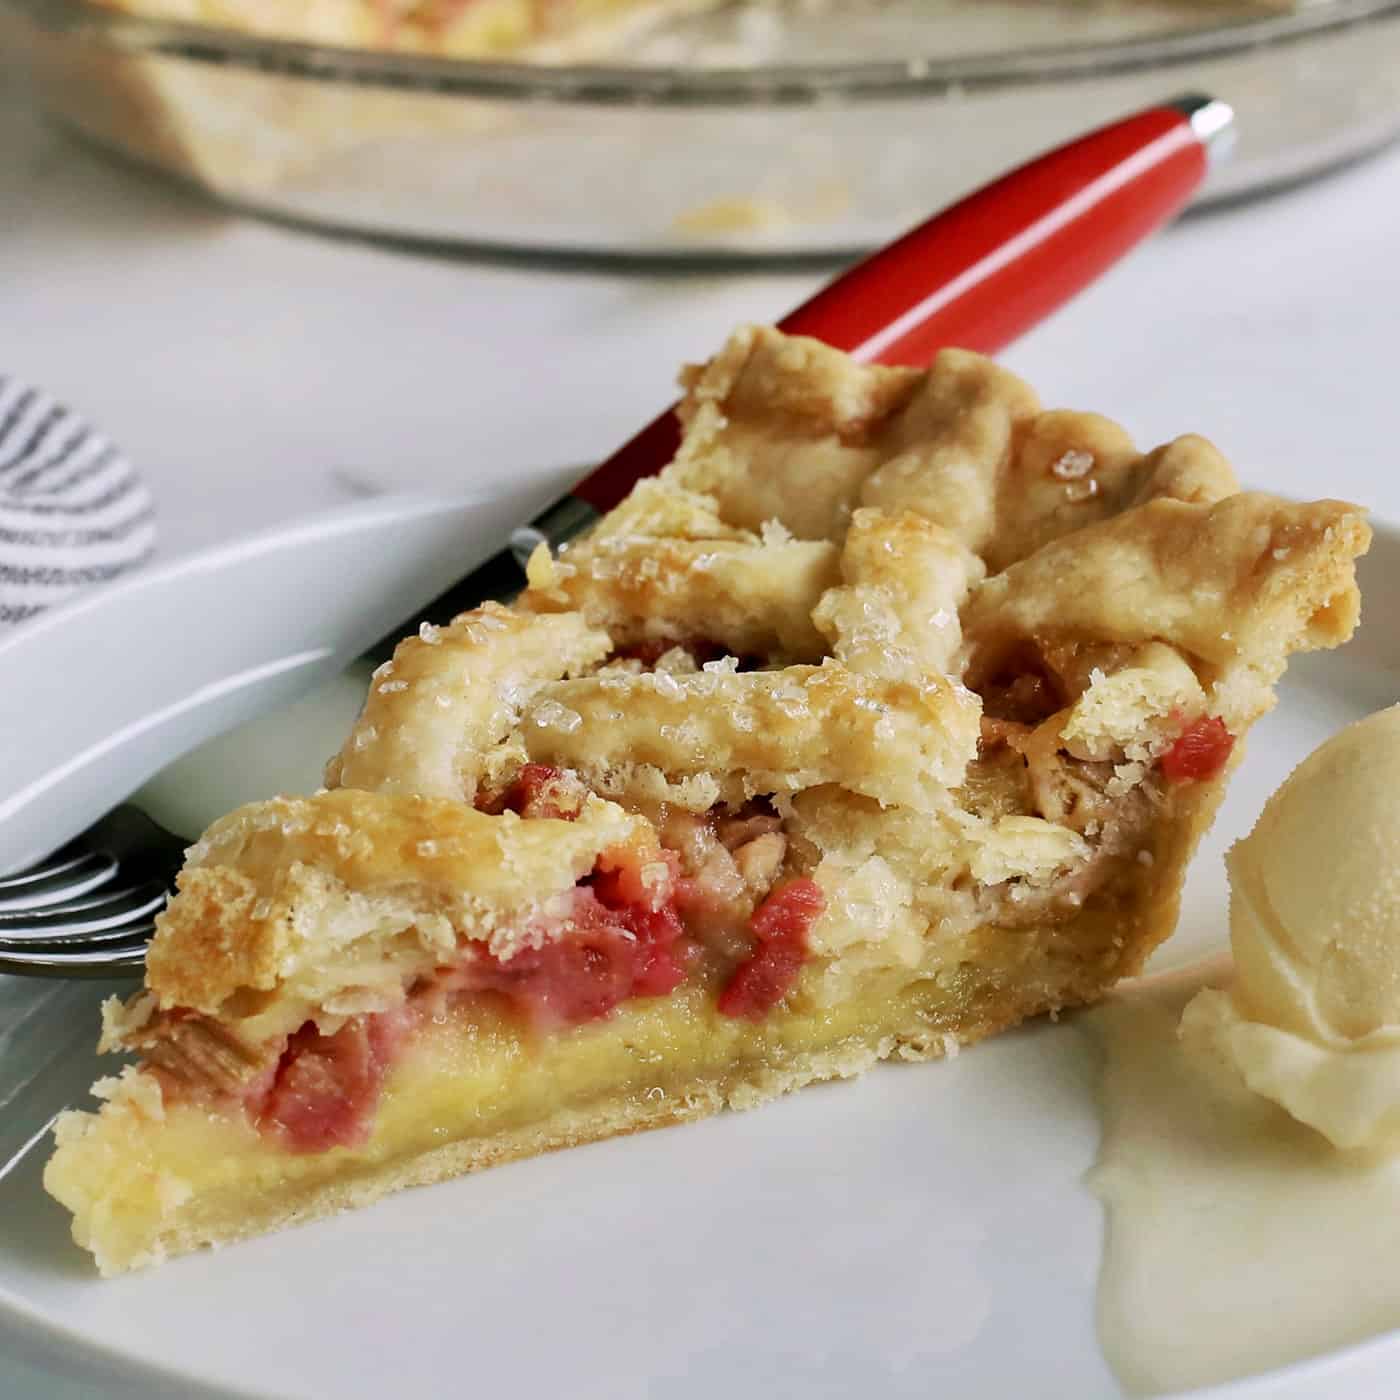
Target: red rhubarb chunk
<point>762,981</point>
<point>789,911</point>
<point>657,973</point>
<point>656,970</point>
<point>1200,753</point>
<point>538,790</point>
<point>780,925</point>
<point>622,937</point>
<point>326,1086</point>
<point>564,983</point>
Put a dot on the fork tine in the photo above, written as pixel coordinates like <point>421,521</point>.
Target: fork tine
<point>89,910</point>
<point>89,918</point>
<point>105,962</point>
<point>110,941</point>
<point>54,864</point>
<point>106,896</point>
<point>53,884</point>
<point>139,930</point>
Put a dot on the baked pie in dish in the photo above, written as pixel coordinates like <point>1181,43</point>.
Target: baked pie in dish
<point>549,30</point>
<point>888,716</point>
<point>484,29</point>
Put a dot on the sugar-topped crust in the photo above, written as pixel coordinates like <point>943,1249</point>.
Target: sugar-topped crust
<point>902,633</point>
<point>438,712</point>
<point>756,596</point>
<point>893,525</point>
<point>761,732</point>
<point>904,580</point>
<point>790,430</point>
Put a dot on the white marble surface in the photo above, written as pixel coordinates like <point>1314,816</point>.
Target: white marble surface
<point>255,373</point>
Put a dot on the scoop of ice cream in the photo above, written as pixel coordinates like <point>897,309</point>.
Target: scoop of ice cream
<point>1312,1020</point>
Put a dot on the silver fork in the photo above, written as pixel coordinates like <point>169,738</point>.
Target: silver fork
<point>88,910</point>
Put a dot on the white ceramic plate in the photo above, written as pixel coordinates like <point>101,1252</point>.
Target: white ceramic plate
<point>921,1232</point>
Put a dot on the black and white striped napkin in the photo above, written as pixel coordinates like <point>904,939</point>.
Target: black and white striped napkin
<point>73,510</point>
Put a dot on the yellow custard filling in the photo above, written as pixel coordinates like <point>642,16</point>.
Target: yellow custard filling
<point>142,1177</point>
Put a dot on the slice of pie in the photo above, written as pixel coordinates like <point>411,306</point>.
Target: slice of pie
<point>888,716</point>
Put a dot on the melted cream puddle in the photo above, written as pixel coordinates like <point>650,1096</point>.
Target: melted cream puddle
<point>1238,1240</point>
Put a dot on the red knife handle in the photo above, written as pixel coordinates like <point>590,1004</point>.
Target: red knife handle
<point>990,267</point>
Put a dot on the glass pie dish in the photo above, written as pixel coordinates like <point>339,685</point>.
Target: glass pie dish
<point>783,129</point>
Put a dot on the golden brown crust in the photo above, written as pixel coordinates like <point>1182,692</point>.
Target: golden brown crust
<point>758,732</point>
<point>451,695</point>
<point>781,428</point>
<point>1236,585</point>
<point>784,429</point>
<point>904,579</point>
<point>755,597</point>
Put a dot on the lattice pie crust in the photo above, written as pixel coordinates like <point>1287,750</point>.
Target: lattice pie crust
<point>890,714</point>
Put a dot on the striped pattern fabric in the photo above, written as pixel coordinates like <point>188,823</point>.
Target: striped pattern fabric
<point>73,510</point>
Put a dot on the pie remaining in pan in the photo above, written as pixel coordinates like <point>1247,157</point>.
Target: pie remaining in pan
<point>448,28</point>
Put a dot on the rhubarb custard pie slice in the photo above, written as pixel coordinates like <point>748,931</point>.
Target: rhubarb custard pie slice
<point>887,716</point>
